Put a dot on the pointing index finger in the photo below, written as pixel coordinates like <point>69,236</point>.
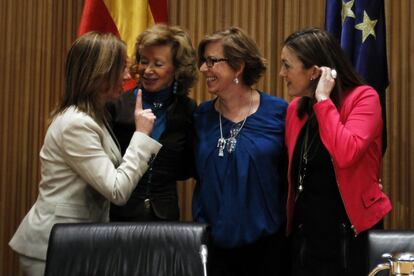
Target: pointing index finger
<point>138,101</point>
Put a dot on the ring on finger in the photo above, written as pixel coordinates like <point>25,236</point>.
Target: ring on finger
<point>334,74</point>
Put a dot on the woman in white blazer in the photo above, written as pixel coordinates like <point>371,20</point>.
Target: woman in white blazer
<point>81,165</point>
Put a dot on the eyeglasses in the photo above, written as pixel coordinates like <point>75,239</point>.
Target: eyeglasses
<point>210,61</point>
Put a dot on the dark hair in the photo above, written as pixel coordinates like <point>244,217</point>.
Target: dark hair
<point>314,46</point>
<point>238,47</point>
<point>182,51</point>
<point>94,66</point>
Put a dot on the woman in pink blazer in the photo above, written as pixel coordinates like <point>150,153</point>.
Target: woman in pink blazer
<point>333,137</point>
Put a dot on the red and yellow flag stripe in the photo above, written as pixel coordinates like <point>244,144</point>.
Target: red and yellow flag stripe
<point>124,18</point>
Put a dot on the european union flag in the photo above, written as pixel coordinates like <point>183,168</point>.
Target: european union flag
<point>359,25</point>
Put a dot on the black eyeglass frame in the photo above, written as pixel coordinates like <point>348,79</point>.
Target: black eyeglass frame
<point>211,61</point>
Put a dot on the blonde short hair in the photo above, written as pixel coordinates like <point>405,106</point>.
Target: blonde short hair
<point>183,53</point>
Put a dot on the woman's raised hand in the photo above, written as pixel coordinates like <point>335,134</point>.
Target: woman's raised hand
<point>326,83</point>
<point>144,118</point>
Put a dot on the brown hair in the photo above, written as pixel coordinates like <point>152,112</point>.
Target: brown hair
<point>314,46</point>
<point>94,65</point>
<point>238,47</point>
<point>183,53</point>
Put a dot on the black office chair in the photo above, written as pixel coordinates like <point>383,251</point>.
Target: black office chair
<point>127,249</point>
<point>387,241</point>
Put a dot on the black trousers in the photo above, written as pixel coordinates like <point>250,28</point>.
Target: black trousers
<point>336,253</point>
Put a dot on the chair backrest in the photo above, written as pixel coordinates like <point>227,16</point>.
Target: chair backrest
<point>388,241</point>
<point>126,249</point>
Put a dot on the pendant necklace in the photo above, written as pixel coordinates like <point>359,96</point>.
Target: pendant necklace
<point>304,157</point>
<point>157,105</point>
<point>231,141</point>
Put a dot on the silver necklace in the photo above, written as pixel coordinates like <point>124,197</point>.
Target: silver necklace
<point>231,141</point>
<point>305,157</point>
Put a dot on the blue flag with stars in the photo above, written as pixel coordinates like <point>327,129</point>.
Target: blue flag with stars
<point>359,25</point>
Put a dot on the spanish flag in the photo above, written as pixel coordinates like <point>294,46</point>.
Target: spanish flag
<point>124,18</point>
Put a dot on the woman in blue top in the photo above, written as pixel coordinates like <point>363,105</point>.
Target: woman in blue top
<point>240,158</point>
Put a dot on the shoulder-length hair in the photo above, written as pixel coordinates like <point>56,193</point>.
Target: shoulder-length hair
<point>94,66</point>
<point>182,51</point>
<point>314,46</point>
<point>238,47</point>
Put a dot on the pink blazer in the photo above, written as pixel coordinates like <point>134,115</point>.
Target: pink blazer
<point>352,136</point>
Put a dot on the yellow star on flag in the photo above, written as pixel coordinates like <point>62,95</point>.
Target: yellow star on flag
<point>346,10</point>
<point>367,27</point>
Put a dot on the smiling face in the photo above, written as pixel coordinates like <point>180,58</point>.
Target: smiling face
<point>220,75</point>
<point>298,78</point>
<point>156,68</point>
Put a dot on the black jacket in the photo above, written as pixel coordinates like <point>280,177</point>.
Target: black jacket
<point>175,160</point>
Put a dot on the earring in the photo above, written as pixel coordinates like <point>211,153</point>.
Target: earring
<point>236,80</point>
<point>175,87</point>
<point>311,78</point>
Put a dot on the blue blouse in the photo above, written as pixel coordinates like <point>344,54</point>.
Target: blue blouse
<point>242,194</point>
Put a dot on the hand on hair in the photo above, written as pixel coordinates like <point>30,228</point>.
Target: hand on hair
<point>325,85</point>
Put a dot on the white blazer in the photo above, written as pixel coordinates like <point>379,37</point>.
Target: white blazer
<point>82,168</point>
